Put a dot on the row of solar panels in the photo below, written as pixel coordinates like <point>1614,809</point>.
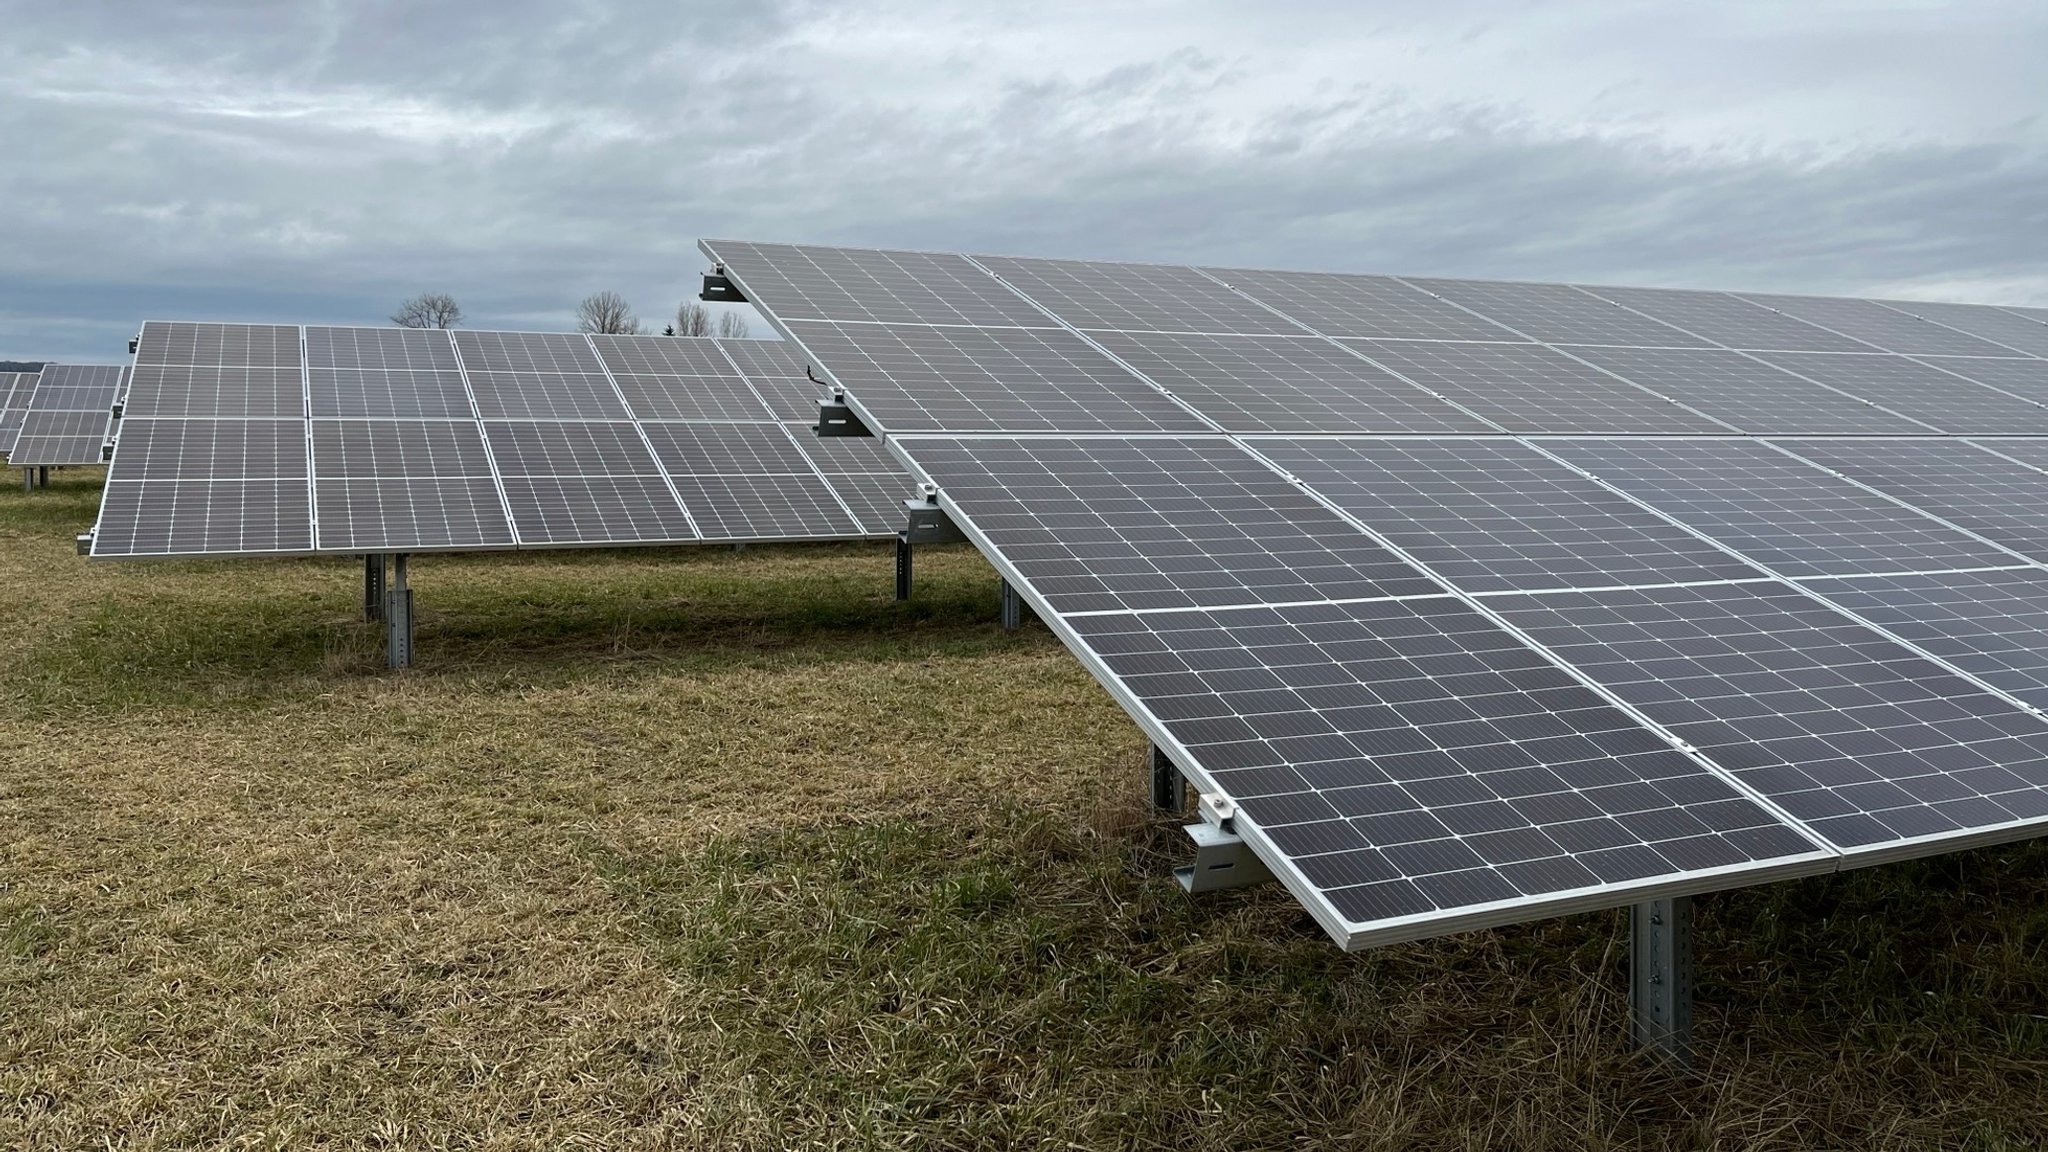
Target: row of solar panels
<point>1306,352</point>
<point>265,439</point>
<point>1461,673</point>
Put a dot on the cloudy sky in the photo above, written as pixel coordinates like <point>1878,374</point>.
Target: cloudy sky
<point>319,161</point>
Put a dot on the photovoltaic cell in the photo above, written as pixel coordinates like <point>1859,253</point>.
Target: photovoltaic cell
<point>1993,625</point>
<point>1995,324</point>
<point>1790,517</point>
<point>569,448</point>
<point>754,506</point>
<point>1987,494</point>
<point>367,448</point>
<point>1490,515</point>
<point>1411,759</point>
<point>1369,306</point>
<point>662,356</point>
<point>857,284</point>
<point>410,513</point>
<point>1141,523</point>
<point>915,378</point>
<point>1748,393</point>
<point>1137,297</point>
<point>876,498</point>
<point>1525,388</point>
<point>1914,389</point>
<point>1868,744</point>
<point>1559,314</point>
<point>1284,384</point>
<point>1877,325</point>
<point>584,482</point>
<point>1728,319</point>
<point>667,378</point>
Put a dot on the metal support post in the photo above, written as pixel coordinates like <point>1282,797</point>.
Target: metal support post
<point>43,475</point>
<point>1660,978</point>
<point>1169,787</point>
<point>398,617</point>
<point>903,566</point>
<point>373,586</point>
<point>1012,605</point>
<point>28,479</point>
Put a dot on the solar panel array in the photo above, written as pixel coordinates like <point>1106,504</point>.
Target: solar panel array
<point>71,415</point>
<point>17,389</point>
<point>1483,601</point>
<point>256,439</point>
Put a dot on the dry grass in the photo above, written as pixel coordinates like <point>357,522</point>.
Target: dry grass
<point>715,850</point>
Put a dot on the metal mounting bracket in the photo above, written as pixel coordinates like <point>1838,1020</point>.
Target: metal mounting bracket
<point>836,418</point>
<point>719,288</point>
<point>928,523</point>
<point>1222,860</point>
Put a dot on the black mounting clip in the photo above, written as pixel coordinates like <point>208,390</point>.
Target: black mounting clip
<point>836,418</point>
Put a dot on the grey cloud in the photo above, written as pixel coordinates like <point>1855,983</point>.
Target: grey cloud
<point>253,160</point>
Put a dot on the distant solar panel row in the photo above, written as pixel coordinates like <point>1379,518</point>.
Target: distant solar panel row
<point>16,390</point>
<point>70,415</point>
<point>1565,631</point>
<point>260,439</point>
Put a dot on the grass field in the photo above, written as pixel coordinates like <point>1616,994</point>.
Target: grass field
<point>704,849</point>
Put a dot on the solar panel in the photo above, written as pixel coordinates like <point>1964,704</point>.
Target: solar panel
<point>1934,397</point>
<point>212,391</point>
<point>1136,297</point>
<point>215,345</point>
<point>1871,746</point>
<point>1876,325</point>
<point>870,482</point>
<point>1414,767</point>
<point>1559,314</point>
<point>777,374</point>
<point>1993,625</point>
<point>859,284</point>
<point>203,517</point>
<point>1373,306</point>
<point>1985,493</point>
<point>405,485</point>
<point>1780,512</point>
<point>1158,523</point>
<point>195,449</point>
<point>1524,388</point>
<point>918,378</point>
<point>1284,384</point>
<point>16,390</point>
<point>523,352</point>
<point>401,420</point>
<point>1728,319</point>
<point>68,415</point>
<point>1994,324</point>
<point>1490,515</point>
<point>380,349</point>
<point>1748,393</point>
<point>2028,378</point>
<point>1347,704</point>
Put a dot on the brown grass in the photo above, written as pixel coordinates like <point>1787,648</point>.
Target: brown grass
<point>715,850</point>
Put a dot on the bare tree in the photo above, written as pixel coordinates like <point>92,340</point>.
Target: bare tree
<point>607,313</point>
<point>692,319</point>
<point>428,310</point>
<point>733,326</point>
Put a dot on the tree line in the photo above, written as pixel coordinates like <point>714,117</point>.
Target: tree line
<point>605,313</point>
